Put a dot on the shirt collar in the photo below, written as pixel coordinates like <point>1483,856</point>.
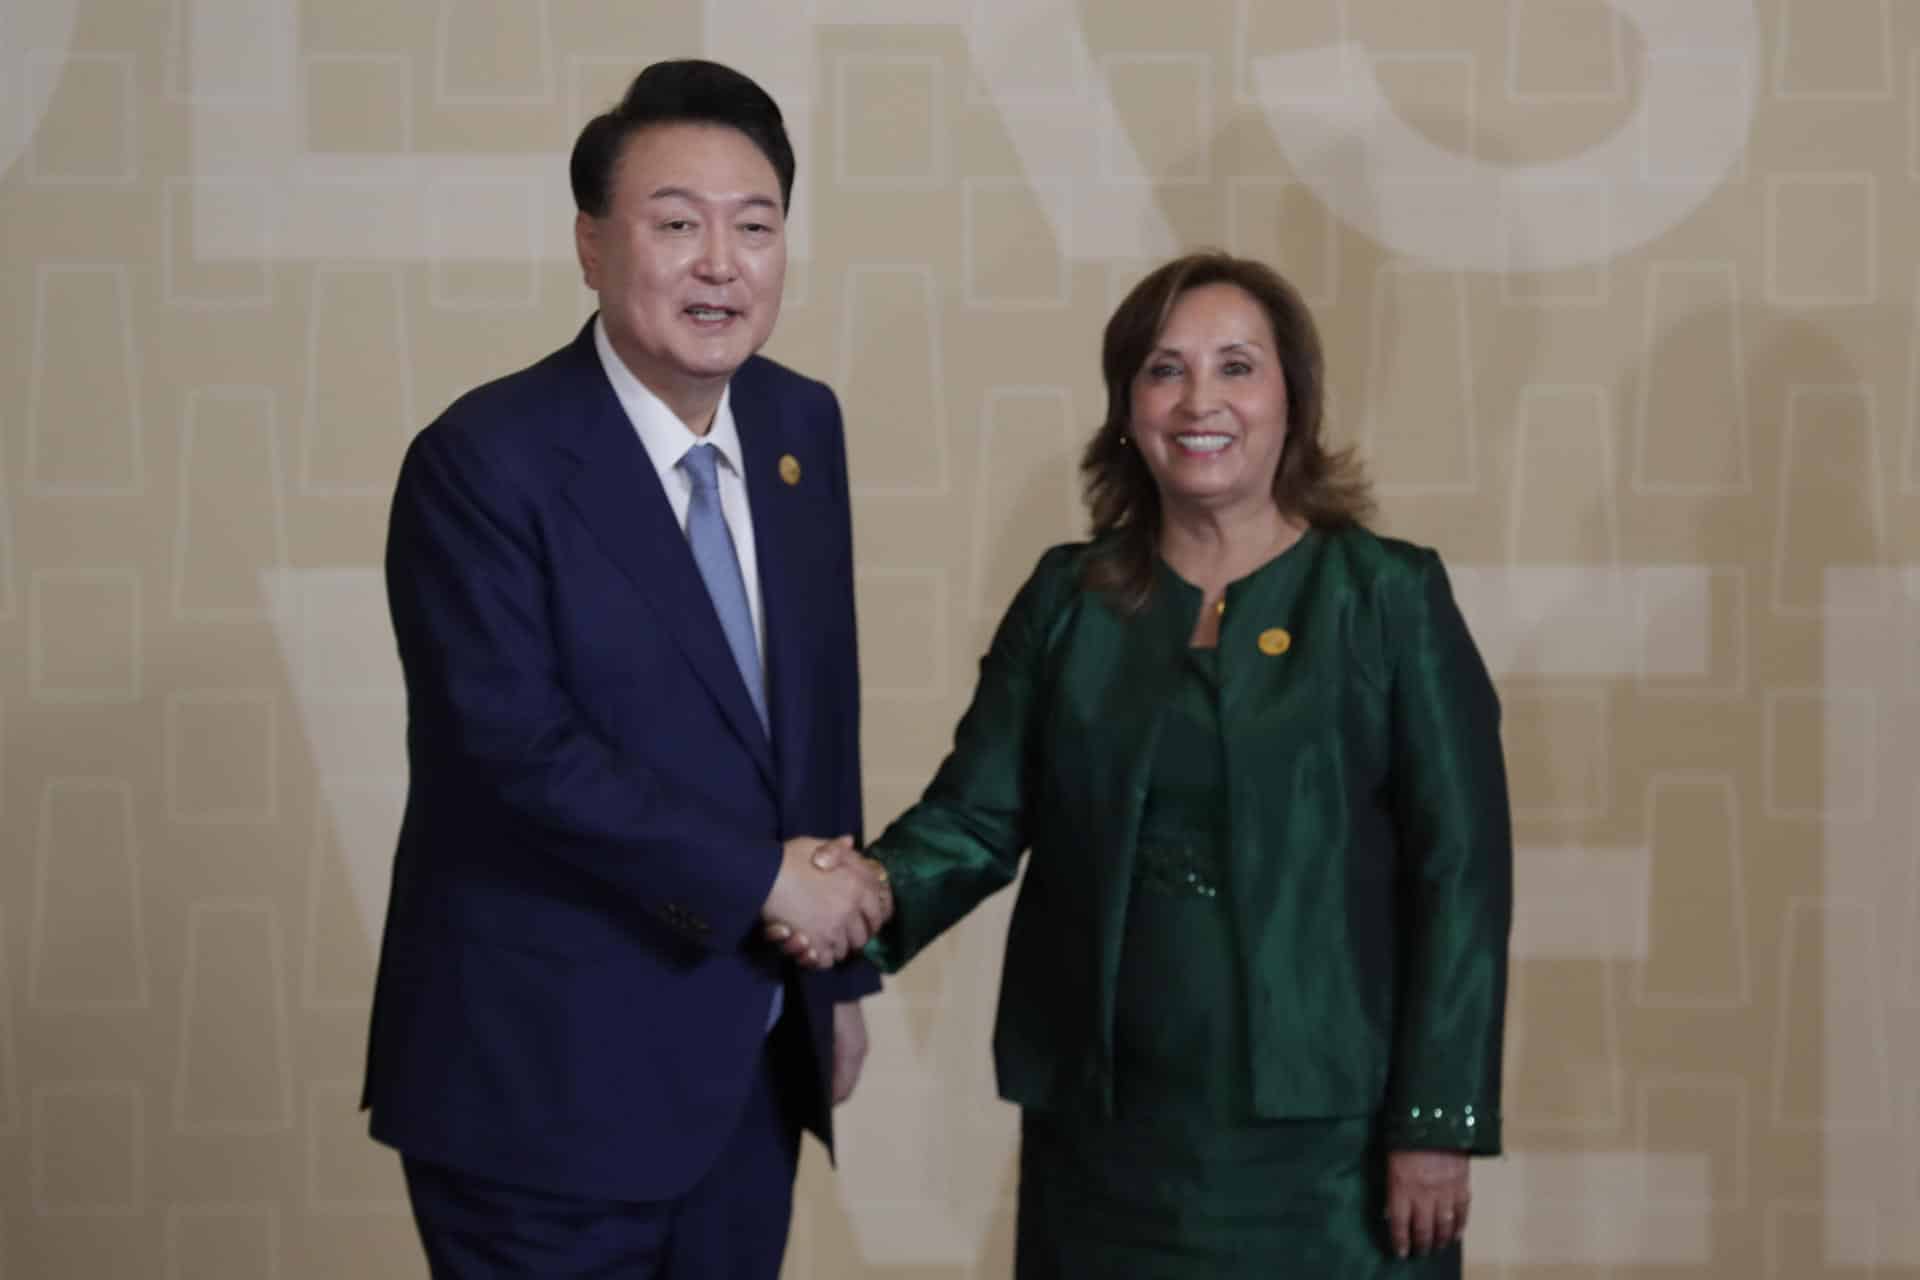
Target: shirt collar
<point>665,437</point>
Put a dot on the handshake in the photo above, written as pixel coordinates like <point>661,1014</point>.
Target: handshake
<point>826,901</point>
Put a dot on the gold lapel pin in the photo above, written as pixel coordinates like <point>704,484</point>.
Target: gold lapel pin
<point>1275,641</point>
<point>789,468</point>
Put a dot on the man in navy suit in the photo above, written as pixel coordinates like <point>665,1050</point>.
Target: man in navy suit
<point>621,582</point>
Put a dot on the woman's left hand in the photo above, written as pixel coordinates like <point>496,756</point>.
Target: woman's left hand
<point>1427,1199</point>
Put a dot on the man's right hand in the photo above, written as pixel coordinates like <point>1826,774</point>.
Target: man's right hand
<point>826,900</point>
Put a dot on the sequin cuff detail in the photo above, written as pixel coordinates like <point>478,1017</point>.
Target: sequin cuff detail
<point>1463,1128</point>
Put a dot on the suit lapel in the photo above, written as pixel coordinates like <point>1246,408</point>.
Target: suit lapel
<point>1142,655</point>
<point>762,428</point>
<point>618,493</point>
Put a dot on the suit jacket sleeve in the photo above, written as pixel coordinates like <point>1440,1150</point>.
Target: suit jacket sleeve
<point>856,977</point>
<point>467,585</point>
<point>963,841</point>
<point>1449,795</point>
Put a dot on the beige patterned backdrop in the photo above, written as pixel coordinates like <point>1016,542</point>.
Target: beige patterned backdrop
<point>1620,298</point>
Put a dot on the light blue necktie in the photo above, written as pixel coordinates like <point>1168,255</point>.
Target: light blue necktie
<point>713,551</point>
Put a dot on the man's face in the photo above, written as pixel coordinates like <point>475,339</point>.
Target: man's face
<point>689,260</point>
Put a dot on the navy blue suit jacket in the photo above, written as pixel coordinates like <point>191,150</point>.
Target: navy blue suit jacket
<point>572,993</point>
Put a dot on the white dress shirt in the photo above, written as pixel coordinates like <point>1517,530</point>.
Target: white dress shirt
<point>667,440</point>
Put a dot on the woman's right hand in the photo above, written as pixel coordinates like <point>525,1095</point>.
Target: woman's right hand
<point>806,951</point>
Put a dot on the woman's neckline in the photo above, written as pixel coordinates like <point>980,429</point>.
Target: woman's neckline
<point>1306,534</point>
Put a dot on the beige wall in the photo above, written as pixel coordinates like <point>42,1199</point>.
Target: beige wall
<point>1619,297</point>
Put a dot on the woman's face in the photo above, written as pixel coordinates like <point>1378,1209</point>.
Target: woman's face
<point>1210,402</point>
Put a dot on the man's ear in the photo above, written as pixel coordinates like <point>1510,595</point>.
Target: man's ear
<point>586,245</point>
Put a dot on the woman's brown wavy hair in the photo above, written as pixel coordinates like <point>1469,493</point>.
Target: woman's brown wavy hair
<point>1326,488</point>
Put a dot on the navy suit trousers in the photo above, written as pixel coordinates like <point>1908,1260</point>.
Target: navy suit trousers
<point>731,1225</point>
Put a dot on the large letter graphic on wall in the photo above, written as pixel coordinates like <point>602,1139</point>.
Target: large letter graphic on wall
<point>1420,200</point>
<point>34,39</point>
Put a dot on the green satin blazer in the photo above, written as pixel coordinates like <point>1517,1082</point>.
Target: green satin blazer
<point>1370,850</point>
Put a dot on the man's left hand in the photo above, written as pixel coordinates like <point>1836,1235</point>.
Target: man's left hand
<point>849,1048</point>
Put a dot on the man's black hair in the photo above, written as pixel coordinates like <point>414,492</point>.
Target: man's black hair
<point>682,91</point>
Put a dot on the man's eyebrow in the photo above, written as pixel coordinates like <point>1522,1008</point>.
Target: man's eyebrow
<point>754,201</point>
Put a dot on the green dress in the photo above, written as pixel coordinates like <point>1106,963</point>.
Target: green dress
<point>1261,936</point>
<point>1184,1181</point>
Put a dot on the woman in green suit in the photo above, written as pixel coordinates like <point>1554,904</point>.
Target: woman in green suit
<point>1255,979</point>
